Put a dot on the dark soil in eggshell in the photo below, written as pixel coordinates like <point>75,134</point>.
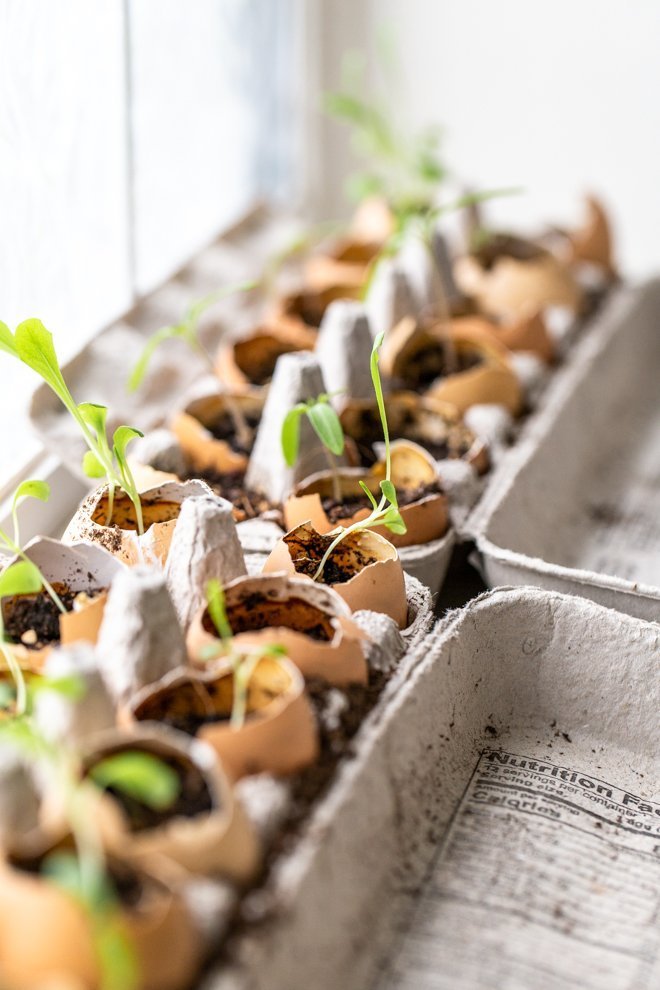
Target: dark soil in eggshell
<point>247,503</point>
<point>193,798</point>
<point>346,560</point>
<point>338,509</point>
<point>223,428</point>
<point>257,611</point>
<point>448,441</point>
<point>40,614</point>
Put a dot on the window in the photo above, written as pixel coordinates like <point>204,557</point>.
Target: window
<point>131,132</point>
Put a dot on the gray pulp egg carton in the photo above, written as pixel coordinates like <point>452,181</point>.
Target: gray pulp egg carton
<point>498,824</point>
<point>575,505</point>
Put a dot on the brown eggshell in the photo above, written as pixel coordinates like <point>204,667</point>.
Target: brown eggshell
<point>201,449</point>
<point>378,586</point>
<point>512,286</point>
<point>80,567</point>
<point>278,736</point>
<point>147,477</point>
<point>218,841</point>
<point>289,606</point>
<point>527,333</point>
<point>373,221</point>
<point>345,263</point>
<point>419,418</point>
<point>491,381</point>
<point>426,519</point>
<point>160,507</point>
<point>247,363</point>
<point>45,933</point>
<point>304,310</point>
<point>593,241</point>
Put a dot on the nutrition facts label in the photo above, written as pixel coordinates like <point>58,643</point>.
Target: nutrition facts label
<point>549,879</point>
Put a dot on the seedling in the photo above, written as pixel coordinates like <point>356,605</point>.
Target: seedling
<point>33,345</point>
<point>83,873</point>
<point>21,578</point>
<point>243,664</point>
<point>12,544</point>
<point>188,331</point>
<point>327,426</point>
<point>385,512</point>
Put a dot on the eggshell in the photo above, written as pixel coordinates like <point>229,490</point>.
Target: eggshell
<point>511,286</point>
<point>191,428</point>
<point>492,381</point>
<point>238,361</point>
<point>289,606</point>
<point>45,933</point>
<point>160,508</point>
<point>345,263</point>
<point>426,519</point>
<point>420,417</point>
<point>81,567</point>
<point>592,242</point>
<point>217,841</point>
<point>279,734</point>
<point>303,310</point>
<point>378,586</point>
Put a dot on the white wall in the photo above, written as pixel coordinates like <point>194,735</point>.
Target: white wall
<point>557,98</point>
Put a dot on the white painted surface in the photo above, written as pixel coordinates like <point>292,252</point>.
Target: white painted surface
<point>556,98</point>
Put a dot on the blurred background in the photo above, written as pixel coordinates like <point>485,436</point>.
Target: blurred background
<point>133,131</point>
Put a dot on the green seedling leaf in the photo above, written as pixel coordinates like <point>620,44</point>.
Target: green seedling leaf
<point>32,489</point>
<point>290,436</point>
<point>140,776</point>
<point>389,491</point>
<point>7,342</point>
<point>121,439</point>
<point>215,600</point>
<point>120,969</point>
<point>395,523</point>
<point>35,348</point>
<point>92,466</point>
<point>27,489</point>
<point>21,578</point>
<point>68,686</point>
<point>327,426</point>
<point>367,491</point>
<point>94,415</point>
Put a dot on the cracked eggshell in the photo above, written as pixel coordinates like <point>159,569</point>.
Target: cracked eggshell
<point>45,931</point>
<point>160,507</point>
<point>378,585</point>
<point>304,310</point>
<point>279,734</point>
<point>527,333</point>
<point>424,419</point>
<point>219,840</point>
<point>273,609</point>
<point>344,263</point>
<point>248,364</point>
<point>592,243</point>
<point>426,519</point>
<point>192,428</point>
<point>82,568</point>
<point>511,286</point>
<point>491,381</point>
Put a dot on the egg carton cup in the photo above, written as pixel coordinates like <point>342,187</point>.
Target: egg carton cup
<point>574,507</point>
<point>520,733</point>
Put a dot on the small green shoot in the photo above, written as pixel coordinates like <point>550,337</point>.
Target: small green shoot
<point>21,578</point>
<point>386,511</point>
<point>33,345</point>
<point>327,426</point>
<point>11,544</point>
<point>188,331</point>
<point>140,776</point>
<point>243,664</point>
